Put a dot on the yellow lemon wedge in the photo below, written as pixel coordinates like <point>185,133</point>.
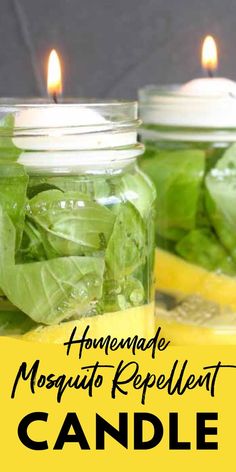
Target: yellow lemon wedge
<point>206,312</point>
<point>220,332</point>
<point>176,276</point>
<point>133,321</point>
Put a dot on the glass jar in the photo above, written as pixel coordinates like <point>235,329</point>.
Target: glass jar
<point>191,157</point>
<point>77,227</point>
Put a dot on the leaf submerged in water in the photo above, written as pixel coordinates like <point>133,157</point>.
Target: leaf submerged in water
<point>48,291</point>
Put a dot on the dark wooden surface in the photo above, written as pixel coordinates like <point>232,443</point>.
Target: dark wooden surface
<point>110,48</point>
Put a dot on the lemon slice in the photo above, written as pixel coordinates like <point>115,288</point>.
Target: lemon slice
<point>176,276</point>
<point>219,331</point>
<point>134,321</point>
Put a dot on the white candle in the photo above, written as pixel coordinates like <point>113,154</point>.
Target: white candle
<point>65,136</point>
<point>68,134</point>
<point>203,103</point>
<point>66,127</point>
<point>217,87</point>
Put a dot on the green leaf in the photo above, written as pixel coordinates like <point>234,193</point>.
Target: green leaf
<point>221,198</point>
<point>7,243</point>
<point>55,290</point>
<point>201,247</point>
<point>122,294</point>
<point>15,323</point>
<point>139,190</point>
<point>223,229</point>
<point>33,190</point>
<point>31,248</point>
<point>221,184</point>
<point>71,225</point>
<point>177,176</point>
<point>13,186</point>
<point>48,291</point>
<point>95,188</point>
<point>202,217</point>
<point>127,247</point>
<point>8,151</point>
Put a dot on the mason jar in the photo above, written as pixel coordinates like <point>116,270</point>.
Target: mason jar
<point>191,158</point>
<point>77,221</point>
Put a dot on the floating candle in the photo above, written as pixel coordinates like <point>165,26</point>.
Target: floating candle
<point>67,126</point>
<point>211,86</point>
<point>202,102</point>
<point>190,135</point>
<point>67,215</point>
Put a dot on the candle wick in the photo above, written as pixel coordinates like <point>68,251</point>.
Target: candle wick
<point>54,97</point>
<point>210,73</point>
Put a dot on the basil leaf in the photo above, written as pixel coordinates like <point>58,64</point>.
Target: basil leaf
<point>31,248</point>
<point>223,229</point>
<point>55,290</point>
<point>96,188</point>
<point>13,186</point>
<point>71,225</point>
<point>221,197</point>
<point>138,189</point>
<point>48,291</point>
<point>201,247</point>
<point>177,176</point>
<point>126,249</point>
<point>221,184</point>
<point>122,294</point>
<point>8,150</point>
<point>14,323</point>
<point>7,243</point>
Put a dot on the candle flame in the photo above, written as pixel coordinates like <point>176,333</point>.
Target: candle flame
<point>209,54</point>
<point>54,82</point>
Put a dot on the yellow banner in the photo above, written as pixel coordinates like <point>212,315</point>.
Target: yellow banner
<point>116,404</point>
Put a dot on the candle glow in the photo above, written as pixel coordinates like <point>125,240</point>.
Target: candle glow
<point>209,55</point>
<point>54,81</point>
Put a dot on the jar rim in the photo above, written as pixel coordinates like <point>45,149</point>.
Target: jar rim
<point>78,125</point>
<point>47,101</point>
<point>173,91</point>
<point>42,114</point>
<point>165,105</point>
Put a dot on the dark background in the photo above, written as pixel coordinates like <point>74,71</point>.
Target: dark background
<point>110,47</point>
